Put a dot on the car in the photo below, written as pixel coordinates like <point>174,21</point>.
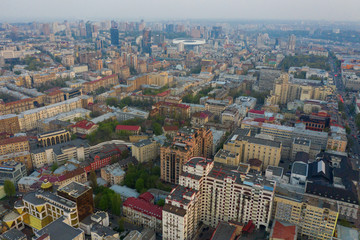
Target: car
<point>281,161</point>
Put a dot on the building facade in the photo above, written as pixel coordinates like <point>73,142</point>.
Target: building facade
<point>188,142</point>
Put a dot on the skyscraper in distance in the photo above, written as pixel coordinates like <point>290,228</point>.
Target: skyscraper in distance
<point>292,42</point>
<point>146,41</point>
<point>114,34</point>
<point>89,29</point>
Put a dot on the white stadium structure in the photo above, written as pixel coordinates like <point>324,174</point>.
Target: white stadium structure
<point>189,41</point>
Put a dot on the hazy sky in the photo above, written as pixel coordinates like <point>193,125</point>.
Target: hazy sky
<point>29,10</point>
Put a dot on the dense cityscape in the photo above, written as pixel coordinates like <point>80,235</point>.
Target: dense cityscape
<point>181,129</point>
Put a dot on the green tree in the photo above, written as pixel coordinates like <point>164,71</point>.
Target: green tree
<point>104,203</point>
<point>17,72</point>
<point>116,204</point>
<point>54,167</point>
<point>139,185</point>
<point>161,202</point>
<point>93,180</point>
<point>157,128</point>
<point>124,154</point>
<point>9,188</point>
<point>121,225</point>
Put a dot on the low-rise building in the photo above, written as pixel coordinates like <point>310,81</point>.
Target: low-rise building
<point>145,150</point>
<point>84,127</point>
<point>113,174</point>
<point>12,171</point>
<point>141,211</point>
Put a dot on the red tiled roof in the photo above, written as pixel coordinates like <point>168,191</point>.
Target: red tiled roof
<point>201,115</point>
<point>163,94</point>
<point>144,207</point>
<point>127,128</point>
<point>281,231</point>
<point>84,124</point>
<point>170,128</point>
<point>13,140</point>
<point>172,104</point>
<point>146,196</point>
<point>256,111</point>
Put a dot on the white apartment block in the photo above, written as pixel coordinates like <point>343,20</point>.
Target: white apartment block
<point>210,192</point>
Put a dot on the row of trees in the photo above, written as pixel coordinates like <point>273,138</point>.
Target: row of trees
<point>142,104</point>
<point>107,200</point>
<point>190,98</point>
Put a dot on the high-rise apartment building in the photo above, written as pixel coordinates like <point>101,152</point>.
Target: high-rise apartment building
<point>292,42</point>
<point>189,142</point>
<point>210,193</point>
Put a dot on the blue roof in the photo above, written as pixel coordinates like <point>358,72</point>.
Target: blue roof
<point>124,191</point>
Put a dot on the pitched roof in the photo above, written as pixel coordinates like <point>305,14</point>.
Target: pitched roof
<point>281,231</point>
<point>144,207</point>
<point>85,124</point>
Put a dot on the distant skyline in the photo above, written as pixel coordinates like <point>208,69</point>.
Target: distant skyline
<point>49,10</point>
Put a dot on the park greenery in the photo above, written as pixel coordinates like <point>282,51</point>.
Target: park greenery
<point>149,91</point>
<point>106,130</point>
<point>190,98</point>
<point>33,64</point>
<point>143,177</point>
<point>260,96</point>
<point>107,200</point>
<point>59,82</point>
<point>9,188</point>
<point>312,61</point>
<point>127,101</point>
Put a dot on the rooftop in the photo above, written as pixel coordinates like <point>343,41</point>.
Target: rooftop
<point>59,230</point>
<point>74,189</point>
<point>144,206</point>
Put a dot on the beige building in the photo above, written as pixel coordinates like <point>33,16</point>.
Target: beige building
<point>159,79</point>
<point>337,143</point>
<point>9,123</point>
<point>53,137</point>
<point>262,147</point>
<point>145,150</point>
<point>68,60</point>
<point>14,145</point>
<point>300,145</point>
<point>313,217</point>
<point>28,119</point>
<point>113,174</point>
<point>285,91</point>
<point>227,157</point>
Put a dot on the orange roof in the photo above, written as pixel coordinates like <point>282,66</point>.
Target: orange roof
<point>281,231</point>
